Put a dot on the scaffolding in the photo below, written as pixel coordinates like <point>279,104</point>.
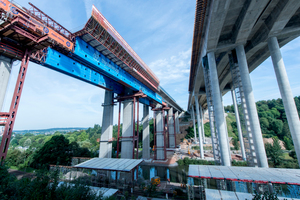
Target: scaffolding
<point>243,112</point>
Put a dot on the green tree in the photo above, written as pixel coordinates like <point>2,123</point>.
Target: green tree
<point>287,143</point>
<point>55,151</point>
<point>274,151</point>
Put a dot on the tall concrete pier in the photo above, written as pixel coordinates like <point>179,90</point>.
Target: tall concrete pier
<point>105,150</point>
<point>160,140</point>
<point>251,107</point>
<point>171,129</point>
<point>127,130</point>
<point>146,133</point>
<point>218,110</point>
<point>286,93</point>
<point>5,70</point>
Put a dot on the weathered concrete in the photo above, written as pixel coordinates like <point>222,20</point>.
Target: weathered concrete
<point>159,135</point>
<point>194,123</point>
<point>286,94</point>
<point>202,124</point>
<point>146,135</point>
<point>199,128</point>
<point>177,130</point>
<point>5,70</point>
<point>251,107</point>
<point>105,150</point>
<point>171,129</point>
<point>218,110</point>
<point>238,124</point>
<point>127,129</point>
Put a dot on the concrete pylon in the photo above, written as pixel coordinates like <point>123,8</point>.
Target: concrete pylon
<point>105,150</point>
<point>5,70</point>
<point>199,128</point>
<point>218,110</point>
<point>202,124</point>
<point>171,129</point>
<point>127,130</point>
<point>251,107</point>
<point>160,142</point>
<point>286,93</point>
<point>177,131</point>
<point>238,124</point>
<point>194,123</point>
<point>146,135</point>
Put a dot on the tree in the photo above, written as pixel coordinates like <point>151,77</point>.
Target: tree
<point>55,151</point>
<point>287,143</point>
<point>27,142</point>
<point>274,151</point>
<point>235,143</point>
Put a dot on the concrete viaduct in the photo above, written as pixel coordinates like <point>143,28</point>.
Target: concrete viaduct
<point>98,55</point>
<point>231,38</point>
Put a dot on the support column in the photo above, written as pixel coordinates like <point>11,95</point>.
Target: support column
<point>171,129</point>
<point>202,124</point>
<point>146,135</point>
<point>127,130</point>
<point>286,93</point>
<point>177,131</point>
<point>251,107</point>
<point>218,110</point>
<point>194,124</point>
<point>199,128</point>
<point>105,150</point>
<point>238,124</point>
<point>5,70</point>
<point>160,142</point>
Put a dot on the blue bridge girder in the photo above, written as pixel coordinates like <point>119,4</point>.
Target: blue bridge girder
<point>92,58</point>
<point>90,66</point>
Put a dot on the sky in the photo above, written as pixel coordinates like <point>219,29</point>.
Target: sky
<point>160,32</point>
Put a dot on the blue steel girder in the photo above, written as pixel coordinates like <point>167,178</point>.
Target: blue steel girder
<point>61,63</point>
<point>89,56</point>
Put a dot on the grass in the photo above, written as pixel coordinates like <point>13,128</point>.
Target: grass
<point>286,156</point>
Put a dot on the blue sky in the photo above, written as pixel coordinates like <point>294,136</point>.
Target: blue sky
<point>161,34</point>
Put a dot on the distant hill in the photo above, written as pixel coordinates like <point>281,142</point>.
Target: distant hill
<point>49,130</point>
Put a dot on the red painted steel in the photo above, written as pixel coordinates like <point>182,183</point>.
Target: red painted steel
<point>49,22</point>
<point>112,31</point>
<point>14,106</point>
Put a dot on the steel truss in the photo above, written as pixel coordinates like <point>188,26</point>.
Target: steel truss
<point>243,112</point>
<point>8,119</point>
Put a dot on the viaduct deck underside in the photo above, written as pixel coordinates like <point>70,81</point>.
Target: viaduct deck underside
<point>229,23</point>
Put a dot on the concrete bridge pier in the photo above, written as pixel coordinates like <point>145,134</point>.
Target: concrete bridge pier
<point>251,107</point>
<point>177,130</point>
<point>238,124</point>
<point>127,129</point>
<point>202,124</point>
<point>171,129</point>
<point>286,93</point>
<point>146,135</point>
<point>5,70</point>
<point>218,110</point>
<point>199,127</point>
<point>105,150</point>
<point>194,123</point>
<point>160,136</point>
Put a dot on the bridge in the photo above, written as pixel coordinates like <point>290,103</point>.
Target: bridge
<point>97,55</point>
<point>232,38</point>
